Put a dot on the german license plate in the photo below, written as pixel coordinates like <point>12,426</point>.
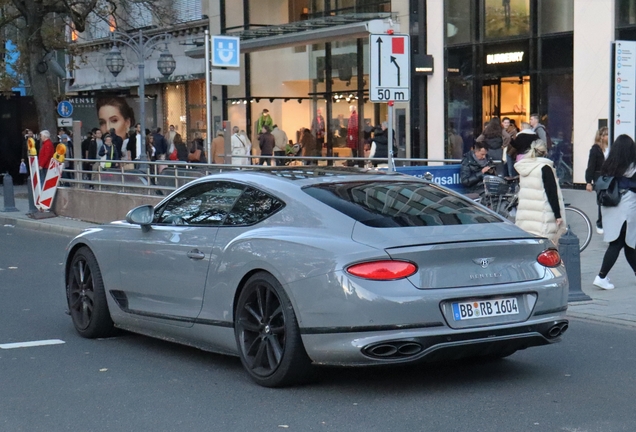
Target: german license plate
<point>485,308</point>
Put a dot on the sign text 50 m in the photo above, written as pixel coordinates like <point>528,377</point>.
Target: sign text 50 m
<point>384,94</point>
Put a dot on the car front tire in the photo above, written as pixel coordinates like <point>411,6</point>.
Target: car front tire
<point>267,334</point>
<point>87,297</point>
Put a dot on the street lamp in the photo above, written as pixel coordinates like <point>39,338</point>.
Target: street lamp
<point>114,61</point>
<point>143,47</point>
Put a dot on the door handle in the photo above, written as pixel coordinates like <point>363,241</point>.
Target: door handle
<point>196,254</point>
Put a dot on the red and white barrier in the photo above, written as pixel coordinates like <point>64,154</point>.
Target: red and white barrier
<point>53,175</point>
<point>43,194</point>
<point>35,178</point>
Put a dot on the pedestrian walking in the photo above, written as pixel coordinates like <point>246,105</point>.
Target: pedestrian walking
<point>310,147</point>
<point>619,222</point>
<point>46,153</point>
<point>595,161</point>
<point>266,142</point>
<point>218,148</point>
<point>239,148</point>
<point>540,210</point>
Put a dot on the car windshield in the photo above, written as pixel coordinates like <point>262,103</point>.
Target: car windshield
<point>400,204</point>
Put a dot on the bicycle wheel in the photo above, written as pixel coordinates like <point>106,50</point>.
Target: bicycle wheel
<point>580,225</point>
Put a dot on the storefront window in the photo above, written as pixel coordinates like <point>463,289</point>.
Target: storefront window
<point>459,21</point>
<point>343,95</point>
<point>196,117</point>
<point>625,12</point>
<point>557,52</point>
<point>556,113</point>
<point>556,16</point>
<point>506,18</point>
<point>460,109</point>
<point>175,109</point>
<point>320,8</point>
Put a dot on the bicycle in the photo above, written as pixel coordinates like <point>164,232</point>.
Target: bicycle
<point>499,198</point>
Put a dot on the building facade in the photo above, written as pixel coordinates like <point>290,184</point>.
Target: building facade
<point>302,59</point>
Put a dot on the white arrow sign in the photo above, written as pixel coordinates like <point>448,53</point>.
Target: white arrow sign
<point>389,67</point>
<point>64,122</point>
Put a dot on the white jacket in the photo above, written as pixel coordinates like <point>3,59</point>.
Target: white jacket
<point>239,148</point>
<point>534,213</point>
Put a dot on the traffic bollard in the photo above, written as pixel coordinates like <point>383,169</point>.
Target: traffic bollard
<point>571,256</point>
<point>32,208</point>
<point>9,198</point>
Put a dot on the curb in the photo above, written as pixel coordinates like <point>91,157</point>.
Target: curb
<point>40,226</point>
<point>602,319</point>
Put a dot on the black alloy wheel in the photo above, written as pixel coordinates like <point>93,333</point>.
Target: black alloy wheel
<point>86,296</point>
<point>267,334</point>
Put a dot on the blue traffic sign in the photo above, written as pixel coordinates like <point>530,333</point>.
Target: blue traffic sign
<point>226,51</point>
<point>65,109</point>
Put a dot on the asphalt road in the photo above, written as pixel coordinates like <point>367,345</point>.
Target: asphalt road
<point>587,383</point>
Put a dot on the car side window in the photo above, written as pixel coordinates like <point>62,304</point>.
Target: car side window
<point>204,204</point>
<point>252,207</point>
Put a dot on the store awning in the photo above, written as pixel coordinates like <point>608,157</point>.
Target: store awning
<point>309,32</point>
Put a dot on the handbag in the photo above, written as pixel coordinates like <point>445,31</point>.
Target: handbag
<point>195,156</point>
<point>607,192</point>
<point>173,155</point>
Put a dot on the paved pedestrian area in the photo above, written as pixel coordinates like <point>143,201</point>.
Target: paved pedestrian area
<point>616,306</point>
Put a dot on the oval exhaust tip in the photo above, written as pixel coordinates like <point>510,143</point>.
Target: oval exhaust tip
<point>409,349</point>
<point>384,350</point>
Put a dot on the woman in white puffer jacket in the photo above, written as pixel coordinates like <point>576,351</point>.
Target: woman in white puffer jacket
<point>540,210</point>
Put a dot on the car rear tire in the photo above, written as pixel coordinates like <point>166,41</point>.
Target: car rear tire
<point>267,334</point>
<point>86,296</point>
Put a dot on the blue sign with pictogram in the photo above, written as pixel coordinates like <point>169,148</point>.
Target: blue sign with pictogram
<point>226,51</point>
<point>65,109</point>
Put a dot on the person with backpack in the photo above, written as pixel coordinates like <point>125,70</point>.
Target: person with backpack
<point>619,222</point>
<point>540,130</point>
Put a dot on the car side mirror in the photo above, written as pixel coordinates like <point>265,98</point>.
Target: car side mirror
<point>142,215</point>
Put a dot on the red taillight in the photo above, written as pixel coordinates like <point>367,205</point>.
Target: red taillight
<point>383,270</point>
<point>549,258</point>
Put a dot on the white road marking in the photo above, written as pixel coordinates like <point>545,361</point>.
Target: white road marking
<point>31,344</point>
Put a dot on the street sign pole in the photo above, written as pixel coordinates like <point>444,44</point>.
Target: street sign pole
<point>208,97</point>
<point>391,161</point>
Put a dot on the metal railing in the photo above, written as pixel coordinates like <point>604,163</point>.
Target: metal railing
<point>164,176</point>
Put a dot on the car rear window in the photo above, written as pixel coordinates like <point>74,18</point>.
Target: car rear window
<point>400,204</point>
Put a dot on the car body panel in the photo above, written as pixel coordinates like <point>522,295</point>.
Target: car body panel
<point>154,262</point>
<point>307,246</point>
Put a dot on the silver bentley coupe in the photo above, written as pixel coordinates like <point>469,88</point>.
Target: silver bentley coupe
<point>288,268</point>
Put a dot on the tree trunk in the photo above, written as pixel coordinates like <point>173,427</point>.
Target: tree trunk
<point>42,86</point>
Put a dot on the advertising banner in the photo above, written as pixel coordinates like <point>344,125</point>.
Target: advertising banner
<point>623,96</point>
<point>106,111</point>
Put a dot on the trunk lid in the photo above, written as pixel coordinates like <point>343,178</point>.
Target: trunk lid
<point>462,255</point>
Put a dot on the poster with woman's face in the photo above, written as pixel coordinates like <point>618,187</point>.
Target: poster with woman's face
<point>107,112</point>
<point>506,18</point>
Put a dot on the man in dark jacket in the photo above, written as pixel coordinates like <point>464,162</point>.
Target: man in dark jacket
<point>160,143</point>
<point>475,165</point>
<point>266,142</point>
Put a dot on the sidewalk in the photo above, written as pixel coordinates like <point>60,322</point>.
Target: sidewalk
<point>616,306</point>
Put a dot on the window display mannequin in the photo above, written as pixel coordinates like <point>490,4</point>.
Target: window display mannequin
<point>264,120</point>
<point>318,127</point>
<point>352,130</point>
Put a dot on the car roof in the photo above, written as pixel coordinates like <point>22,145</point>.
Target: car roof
<point>304,176</point>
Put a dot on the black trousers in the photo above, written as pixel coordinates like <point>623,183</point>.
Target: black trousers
<point>614,249</point>
<point>279,162</point>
